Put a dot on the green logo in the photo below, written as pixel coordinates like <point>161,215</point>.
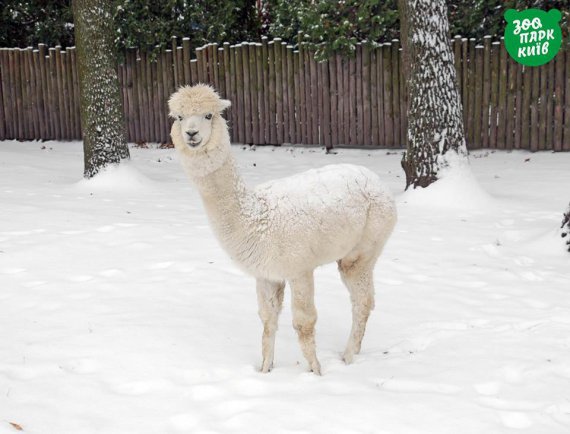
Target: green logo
<point>533,37</point>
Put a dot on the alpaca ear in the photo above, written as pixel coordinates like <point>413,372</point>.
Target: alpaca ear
<point>224,104</point>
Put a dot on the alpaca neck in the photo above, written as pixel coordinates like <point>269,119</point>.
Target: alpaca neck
<point>229,205</point>
<point>226,199</point>
<point>223,187</point>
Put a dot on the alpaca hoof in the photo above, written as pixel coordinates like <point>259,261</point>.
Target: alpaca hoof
<point>316,368</point>
<point>266,367</point>
<point>348,357</point>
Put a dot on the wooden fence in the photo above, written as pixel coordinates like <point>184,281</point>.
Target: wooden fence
<point>281,95</point>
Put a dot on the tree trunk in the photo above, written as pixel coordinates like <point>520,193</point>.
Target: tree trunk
<point>566,227</point>
<point>435,120</point>
<point>102,118</point>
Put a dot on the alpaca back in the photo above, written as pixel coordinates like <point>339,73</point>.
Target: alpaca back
<point>318,216</point>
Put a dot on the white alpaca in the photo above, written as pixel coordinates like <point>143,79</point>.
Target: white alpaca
<point>282,230</point>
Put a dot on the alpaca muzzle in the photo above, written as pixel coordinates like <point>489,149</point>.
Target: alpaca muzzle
<point>194,143</point>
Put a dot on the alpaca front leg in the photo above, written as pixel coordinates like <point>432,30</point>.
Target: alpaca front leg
<point>305,317</point>
<point>270,300</point>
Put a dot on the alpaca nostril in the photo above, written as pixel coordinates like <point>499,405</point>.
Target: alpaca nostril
<point>191,133</point>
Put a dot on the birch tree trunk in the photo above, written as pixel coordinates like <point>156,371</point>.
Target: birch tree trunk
<point>102,118</point>
<point>435,120</point>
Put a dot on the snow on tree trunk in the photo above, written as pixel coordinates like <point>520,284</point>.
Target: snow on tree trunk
<point>566,227</point>
<point>435,121</point>
<point>102,118</point>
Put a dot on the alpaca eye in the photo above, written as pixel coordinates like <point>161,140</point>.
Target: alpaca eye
<point>179,118</point>
<point>209,116</point>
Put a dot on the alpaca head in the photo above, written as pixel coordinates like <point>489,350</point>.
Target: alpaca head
<point>196,109</point>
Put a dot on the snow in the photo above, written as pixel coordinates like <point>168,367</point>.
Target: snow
<point>124,177</point>
<point>121,314</point>
<point>457,189</point>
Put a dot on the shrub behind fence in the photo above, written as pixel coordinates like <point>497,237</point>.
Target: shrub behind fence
<point>280,95</point>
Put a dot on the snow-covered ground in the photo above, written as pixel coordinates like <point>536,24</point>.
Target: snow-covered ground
<point>119,313</point>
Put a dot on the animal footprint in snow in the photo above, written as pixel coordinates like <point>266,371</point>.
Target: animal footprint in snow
<point>407,386</point>
<point>14,270</point>
<point>487,389</point>
<point>142,387</point>
<point>184,422</point>
<point>81,366</point>
<point>515,420</point>
<point>207,392</point>
<point>161,265</point>
<point>523,261</point>
<point>80,278</point>
<point>112,272</point>
<point>105,229</point>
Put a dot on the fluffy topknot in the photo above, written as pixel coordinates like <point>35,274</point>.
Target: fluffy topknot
<point>197,99</point>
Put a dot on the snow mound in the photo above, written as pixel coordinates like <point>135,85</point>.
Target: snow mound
<point>122,177</point>
<point>457,188</point>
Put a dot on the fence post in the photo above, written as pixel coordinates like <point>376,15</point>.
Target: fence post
<point>278,89</point>
<point>157,108</point>
<point>334,100</point>
<point>202,75</point>
<point>366,115</point>
<point>465,83</point>
<point>396,77</point>
<point>247,137</point>
<point>258,110</point>
<point>27,94</point>
<point>301,113</point>
<point>373,97</point>
<point>559,100</point>
<point>549,100</point>
<point>33,93</point>
<point>566,135</point>
<point>146,98</point>
<point>232,115</point>
<point>510,113</point>
<point>266,113</point>
<point>309,113</point>
<point>525,107</point>
<point>316,109</point>
<point>2,90</point>
<point>486,91</point>
<point>293,125</point>
<point>340,87</point>
<point>351,124</point>
<point>6,83</point>
<point>240,127</point>
<point>297,98</point>
<point>186,56</point>
<point>359,136</point>
<point>380,83</point>
<point>478,99</point>
<point>502,108</point>
<point>535,95</point>
<point>324,88</point>
<point>284,91</point>
<point>388,108</point>
<point>253,91</point>
<point>543,108</point>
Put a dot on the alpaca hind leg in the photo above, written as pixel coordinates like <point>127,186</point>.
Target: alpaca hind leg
<point>305,317</point>
<point>357,276</point>
<point>270,300</point>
